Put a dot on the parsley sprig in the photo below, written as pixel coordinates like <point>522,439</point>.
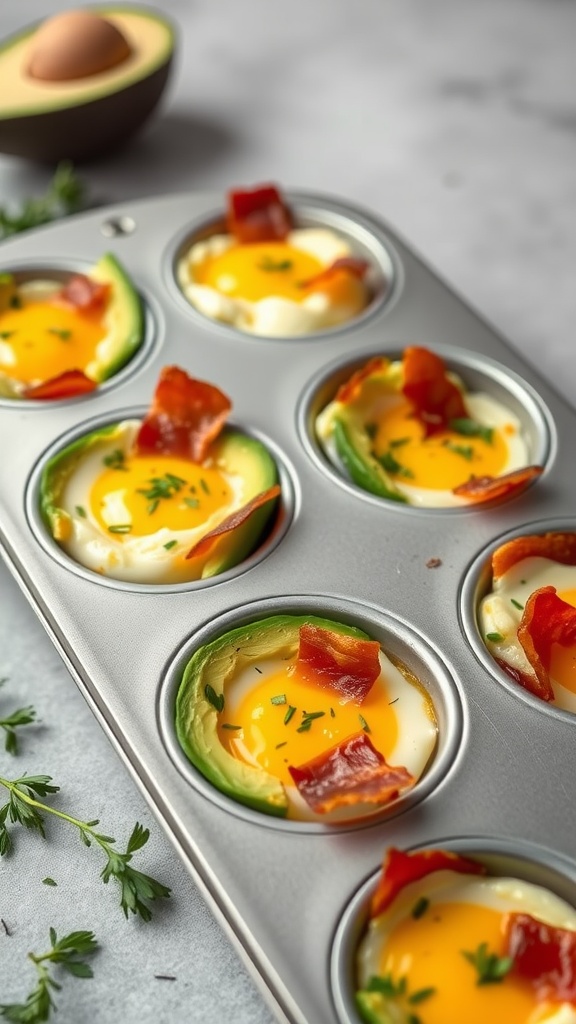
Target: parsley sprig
<point>65,952</point>
<point>24,808</point>
<point>65,195</point>
<point>491,968</point>
<point>13,721</point>
<point>162,487</point>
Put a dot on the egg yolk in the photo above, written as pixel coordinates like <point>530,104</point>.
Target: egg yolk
<point>428,952</point>
<point>40,340</point>
<point>284,720</point>
<point>259,270</point>
<point>440,462</point>
<point>138,495</point>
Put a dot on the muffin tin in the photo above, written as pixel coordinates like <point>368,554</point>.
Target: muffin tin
<point>501,781</point>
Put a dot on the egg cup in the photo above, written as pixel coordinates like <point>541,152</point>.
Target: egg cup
<point>241,669</point>
<point>543,880</point>
<point>517,611</point>
<point>64,333</point>
<point>485,441</point>
<point>331,270</point>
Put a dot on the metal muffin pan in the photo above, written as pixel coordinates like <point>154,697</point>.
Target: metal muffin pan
<point>281,893</point>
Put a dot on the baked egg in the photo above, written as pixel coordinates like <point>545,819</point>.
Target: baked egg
<point>272,714</point>
<point>275,280</point>
<point>409,431</point>
<point>456,944</point>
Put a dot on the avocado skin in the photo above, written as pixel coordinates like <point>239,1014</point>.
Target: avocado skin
<point>363,468</point>
<point>215,663</point>
<point>129,311</point>
<point>58,471</point>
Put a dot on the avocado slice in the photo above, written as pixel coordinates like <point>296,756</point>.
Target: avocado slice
<point>209,672</point>
<point>242,457</point>
<point>84,117</point>
<point>124,318</point>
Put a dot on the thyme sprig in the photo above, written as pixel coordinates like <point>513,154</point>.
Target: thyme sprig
<point>13,721</point>
<point>65,195</point>
<point>24,808</point>
<point>66,952</point>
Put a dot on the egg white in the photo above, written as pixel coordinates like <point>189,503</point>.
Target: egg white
<point>274,316</point>
<point>507,895</point>
<point>417,732</point>
<point>498,614</point>
<point>142,559</point>
<point>483,408</point>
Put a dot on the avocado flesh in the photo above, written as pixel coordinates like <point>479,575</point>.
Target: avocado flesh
<point>86,117</point>
<point>234,453</point>
<point>375,1008</point>
<point>216,664</point>
<point>354,448</point>
<point>124,318</point>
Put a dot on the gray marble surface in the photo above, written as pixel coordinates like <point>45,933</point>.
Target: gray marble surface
<point>453,120</point>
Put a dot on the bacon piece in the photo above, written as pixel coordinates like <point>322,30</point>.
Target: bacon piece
<point>351,264</point>
<point>559,547</point>
<point>543,955</point>
<point>258,215</point>
<point>232,522</point>
<point>487,488</point>
<point>400,869</point>
<point>546,620</point>
<point>84,294</point>
<point>529,682</point>
<point>184,418</point>
<point>350,390</point>
<point>353,772</point>
<point>69,384</point>
<point>337,661</point>
<point>435,398</point>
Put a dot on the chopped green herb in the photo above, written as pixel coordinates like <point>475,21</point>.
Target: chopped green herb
<point>371,429</point>
<point>81,511</point>
<point>517,604</point>
<point>162,487</point>
<point>61,333</point>
<point>7,334</point>
<point>386,985</point>
<point>49,881</point>
<point>270,264</point>
<point>291,711</point>
<point>191,502</point>
<point>258,670</point>
<point>332,713</point>
<point>283,744</point>
<point>413,1018</point>
<point>420,907</point>
<point>364,723</point>
<point>491,968</point>
<point>421,995</point>
<point>204,486</point>
<point>15,302</point>
<point>226,725</point>
<point>313,714</point>
<point>391,465</point>
<point>466,451</point>
<point>523,582</point>
<point>280,698</point>
<point>120,528</point>
<point>115,460</point>
<point>471,428</point>
<point>305,726</point>
<point>397,442</point>
<point>494,637</point>
<point>152,506</point>
<point>170,544</point>
<point>215,699</point>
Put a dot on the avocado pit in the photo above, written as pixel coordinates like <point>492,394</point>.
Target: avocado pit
<point>76,44</point>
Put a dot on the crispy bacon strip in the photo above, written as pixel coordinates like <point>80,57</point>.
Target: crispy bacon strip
<point>435,398</point>
<point>336,661</point>
<point>543,955</point>
<point>69,384</point>
<point>400,869</point>
<point>546,620</point>
<point>84,294</point>
<point>184,418</point>
<point>258,215</point>
<point>559,547</point>
<point>529,682</point>
<point>351,264</point>
<point>351,388</point>
<point>351,773</point>
<point>487,488</point>
<point>232,522</point>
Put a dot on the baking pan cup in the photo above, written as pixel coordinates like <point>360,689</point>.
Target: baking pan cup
<point>60,270</point>
<point>502,856</point>
<point>365,238</point>
<point>271,536</point>
<point>478,372</point>
<point>396,637</point>
<point>476,584</point>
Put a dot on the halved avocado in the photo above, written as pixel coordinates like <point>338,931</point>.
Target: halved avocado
<point>124,318</point>
<point>88,116</point>
<point>207,675</point>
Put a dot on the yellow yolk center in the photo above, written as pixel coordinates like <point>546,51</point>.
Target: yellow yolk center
<point>272,718</point>
<point>428,952</point>
<point>440,462</point>
<point>137,496</point>
<point>40,340</point>
<point>258,270</point>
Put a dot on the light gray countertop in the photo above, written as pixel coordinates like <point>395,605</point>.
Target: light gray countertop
<point>456,122</point>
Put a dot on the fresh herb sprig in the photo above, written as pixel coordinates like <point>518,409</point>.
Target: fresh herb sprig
<point>65,195</point>
<point>13,721</point>
<point>491,968</point>
<point>26,809</point>
<point>67,953</point>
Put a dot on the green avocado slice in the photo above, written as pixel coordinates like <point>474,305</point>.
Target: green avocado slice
<point>209,673</point>
<point>124,318</point>
<point>353,445</point>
